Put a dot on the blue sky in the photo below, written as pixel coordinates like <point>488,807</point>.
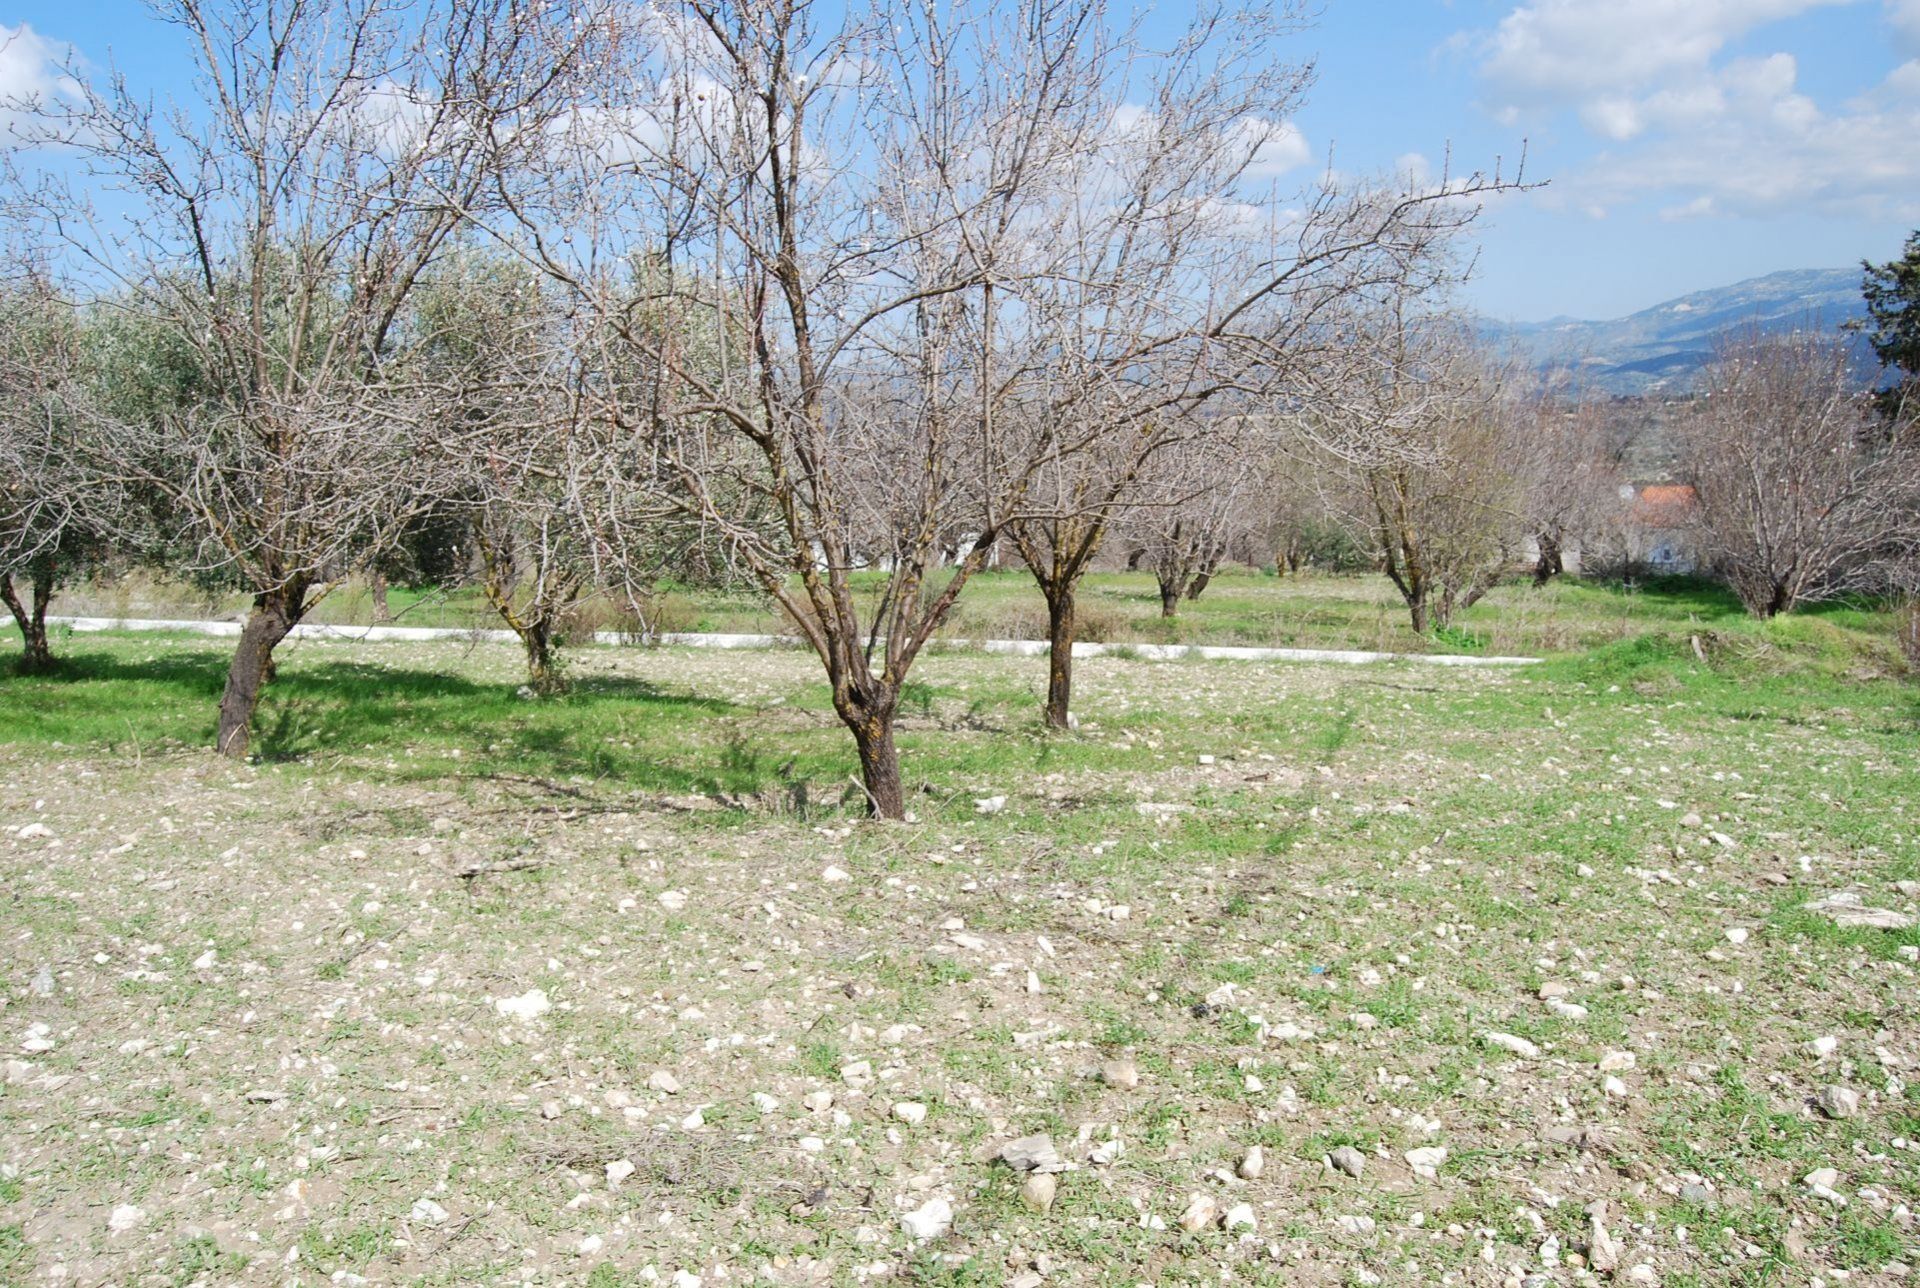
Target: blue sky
<point>1684,143</point>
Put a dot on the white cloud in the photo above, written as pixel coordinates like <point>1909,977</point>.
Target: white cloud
<point>31,76</point>
<point>1559,52</point>
<point>1695,209</point>
<point>1687,122</point>
<point>1904,17</point>
<point>1284,148</point>
<point>1781,153</point>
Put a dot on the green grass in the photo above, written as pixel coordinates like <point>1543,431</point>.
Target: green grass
<point>1425,847</point>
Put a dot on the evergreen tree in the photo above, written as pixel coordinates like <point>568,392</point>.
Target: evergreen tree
<point>1892,292</point>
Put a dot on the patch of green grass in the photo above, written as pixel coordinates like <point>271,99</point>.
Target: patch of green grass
<point>356,1246</point>
<point>201,1257</point>
<point>821,1059</point>
<point>16,1258</point>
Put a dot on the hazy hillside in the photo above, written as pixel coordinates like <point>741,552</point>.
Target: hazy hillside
<point>1663,348</point>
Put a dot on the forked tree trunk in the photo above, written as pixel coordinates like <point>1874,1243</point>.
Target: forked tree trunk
<point>1422,616</point>
<point>1551,563</point>
<point>1169,598</point>
<point>36,654</point>
<point>543,666</point>
<point>879,763</point>
<point>274,614</point>
<point>382,611</point>
<point>1060,633</point>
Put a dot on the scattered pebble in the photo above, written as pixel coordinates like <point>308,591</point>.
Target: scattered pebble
<point>1031,1154</point>
<point>1839,1102</point>
<point>930,1220</point>
<point>529,1005</point>
<point>1199,1214</point>
<point>1510,1042</point>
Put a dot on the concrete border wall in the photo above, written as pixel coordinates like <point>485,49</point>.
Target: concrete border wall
<point>1016,648</point>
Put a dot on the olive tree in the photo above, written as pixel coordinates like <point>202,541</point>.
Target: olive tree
<point>52,509</point>
<point>273,235</point>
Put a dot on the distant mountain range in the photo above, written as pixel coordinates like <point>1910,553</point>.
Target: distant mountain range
<point>1662,349</point>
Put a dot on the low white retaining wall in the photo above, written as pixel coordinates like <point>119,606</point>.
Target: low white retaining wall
<point>1018,648</point>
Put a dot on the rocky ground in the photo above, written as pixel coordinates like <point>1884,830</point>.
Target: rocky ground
<point>1274,975</point>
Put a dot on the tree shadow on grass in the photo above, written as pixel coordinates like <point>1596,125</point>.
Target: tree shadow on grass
<point>626,730</point>
<point>198,672</point>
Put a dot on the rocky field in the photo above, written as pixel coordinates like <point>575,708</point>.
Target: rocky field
<point>1271,974</point>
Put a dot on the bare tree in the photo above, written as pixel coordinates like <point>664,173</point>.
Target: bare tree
<point>1419,429</point>
<point>1186,515</point>
<point>276,235</point>
<point>889,253</point>
<point>1170,301</point>
<point>1801,491</point>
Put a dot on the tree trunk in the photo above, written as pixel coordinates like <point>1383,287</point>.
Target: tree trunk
<point>543,668</point>
<point>879,764</point>
<point>1550,564</point>
<point>36,655</point>
<point>1060,633</point>
<point>274,614</point>
<point>1417,607</point>
<point>1169,598</point>
<point>382,611</point>
<point>1199,584</point>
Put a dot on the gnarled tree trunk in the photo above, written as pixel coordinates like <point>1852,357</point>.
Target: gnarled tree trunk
<point>1060,659</point>
<point>1418,610</point>
<point>36,655</point>
<point>274,614</point>
<point>879,760</point>
<point>543,666</point>
<point>1551,562</point>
